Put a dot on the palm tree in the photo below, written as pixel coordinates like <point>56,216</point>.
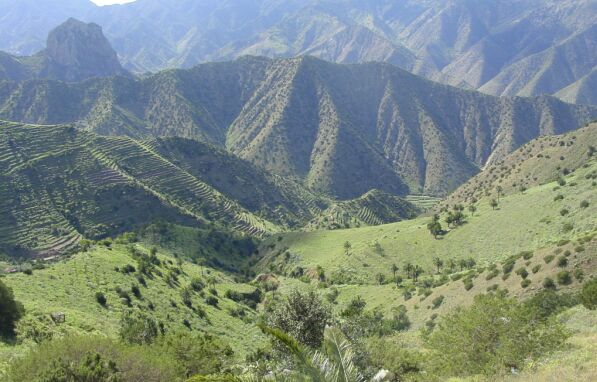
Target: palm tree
<point>394,270</point>
<point>417,271</point>
<point>494,203</point>
<point>408,268</point>
<point>472,209</point>
<point>333,364</point>
<point>438,263</point>
<point>347,247</point>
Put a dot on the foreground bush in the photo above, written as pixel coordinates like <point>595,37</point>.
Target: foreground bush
<point>494,335</point>
<point>10,311</point>
<point>91,359</point>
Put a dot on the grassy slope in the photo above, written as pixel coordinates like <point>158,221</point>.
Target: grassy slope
<point>70,287</point>
<point>523,221</point>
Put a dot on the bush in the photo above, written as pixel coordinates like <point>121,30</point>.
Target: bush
<point>527,255</point>
<point>468,284</point>
<point>522,272</point>
<point>564,278</point>
<point>548,259</point>
<point>508,266</point>
<point>493,273</point>
<point>525,283</point>
<point>564,212</point>
<point>436,302</point>
<point>562,261</point>
<point>492,336</point>
<point>138,329</point>
<point>536,268</point>
<point>11,311</point>
<point>91,359</point>
<point>212,300</point>
<point>584,204</point>
<point>579,274</point>
<point>588,294</point>
<point>548,283</point>
<point>100,298</point>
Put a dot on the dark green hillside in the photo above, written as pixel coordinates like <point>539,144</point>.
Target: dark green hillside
<point>59,184</point>
<point>342,130</point>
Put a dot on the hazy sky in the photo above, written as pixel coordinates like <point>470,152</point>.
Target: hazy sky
<point>106,2</point>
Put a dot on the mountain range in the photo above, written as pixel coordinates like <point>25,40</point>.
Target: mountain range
<point>501,47</point>
<point>342,130</point>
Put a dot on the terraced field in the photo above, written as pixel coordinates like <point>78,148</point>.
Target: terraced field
<point>59,184</point>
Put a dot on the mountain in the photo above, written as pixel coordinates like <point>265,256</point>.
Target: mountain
<point>75,52</point>
<point>511,47</point>
<point>342,130</point>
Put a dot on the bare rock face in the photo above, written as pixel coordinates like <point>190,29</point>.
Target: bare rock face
<point>77,51</point>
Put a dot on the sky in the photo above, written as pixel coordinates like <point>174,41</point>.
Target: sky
<point>106,2</point>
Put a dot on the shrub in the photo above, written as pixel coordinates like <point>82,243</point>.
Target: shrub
<point>436,302</point>
<point>522,272</point>
<point>468,284</point>
<point>492,336</point>
<point>548,259</point>
<point>579,274</point>
<point>87,358</point>
<point>138,328</point>
<point>584,204</point>
<point>536,268</point>
<point>527,255</point>
<point>558,197</point>
<point>136,291</point>
<point>493,273</point>
<point>548,283</point>
<point>100,298</point>
<point>562,261</point>
<point>564,212</point>
<point>525,283</point>
<point>588,294</point>
<point>11,311</point>
<point>564,278</point>
<point>579,248</point>
<point>212,300</point>
<point>567,253</point>
<point>507,267</point>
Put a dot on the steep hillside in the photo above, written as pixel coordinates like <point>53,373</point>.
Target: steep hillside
<point>581,91</point>
<point>75,51</point>
<point>341,129</point>
<point>507,47</point>
<point>543,160</point>
<point>69,287</point>
<point>60,184</point>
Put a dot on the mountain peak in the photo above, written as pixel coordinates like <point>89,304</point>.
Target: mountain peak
<point>77,51</point>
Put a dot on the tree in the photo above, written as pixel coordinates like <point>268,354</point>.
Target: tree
<point>439,263</point>
<point>408,268</point>
<point>417,271</point>
<point>11,311</point>
<point>472,209</point>
<point>380,278</point>
<point>494,335</point>
<point>451,265</point>
<point>335,363</point>
<point>494,203</point>
<point>394,270</point>
<point>303,315</point>
<point>435,228</point>
<point>588,295</point>
<point>499,190</point>
<point>347,247</point>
